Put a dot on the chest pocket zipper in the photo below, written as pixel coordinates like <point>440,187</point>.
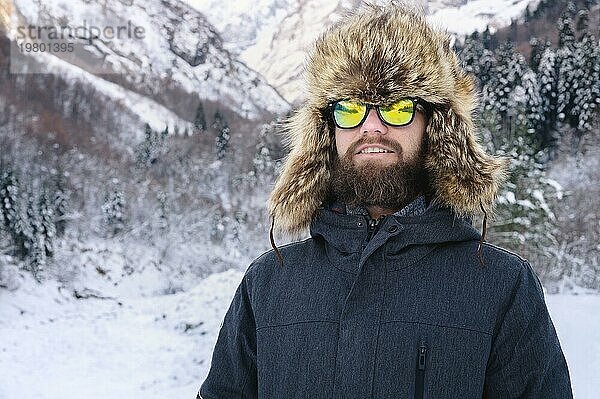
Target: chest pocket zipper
<point>420,372</point>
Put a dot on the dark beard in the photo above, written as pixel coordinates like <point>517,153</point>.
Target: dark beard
<point>369,184</point>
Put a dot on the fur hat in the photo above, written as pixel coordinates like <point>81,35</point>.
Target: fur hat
<point>378,55</point>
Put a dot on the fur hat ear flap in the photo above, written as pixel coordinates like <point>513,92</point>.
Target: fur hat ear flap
<point>462,175</point>
<point>302,185</point>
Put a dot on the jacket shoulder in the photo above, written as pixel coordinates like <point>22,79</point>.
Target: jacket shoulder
<point>507,264</point>
<point>496,260</point>
<point>496,273</point>
<point>514,273</point>
<point>294,253</point>
<point>504,253</point>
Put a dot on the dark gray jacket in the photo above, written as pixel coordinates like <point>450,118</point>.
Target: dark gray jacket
<point>407,313</point>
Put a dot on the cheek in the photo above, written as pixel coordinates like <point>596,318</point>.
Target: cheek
<point>342,142</point>
<point>414,144</point>
<point>412,138</point>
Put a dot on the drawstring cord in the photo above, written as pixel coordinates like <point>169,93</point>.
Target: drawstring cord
<point>482,239</point>
<point>279,256</point>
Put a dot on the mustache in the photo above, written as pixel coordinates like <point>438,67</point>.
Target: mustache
<point>383,141</point>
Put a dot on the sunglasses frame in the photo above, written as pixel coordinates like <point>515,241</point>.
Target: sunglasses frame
<point>415,100</point>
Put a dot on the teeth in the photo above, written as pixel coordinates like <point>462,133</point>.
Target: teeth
<point>371,150</point>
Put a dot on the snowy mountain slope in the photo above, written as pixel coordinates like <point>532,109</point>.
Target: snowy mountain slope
<point>475,15</point>
<point>159,347</point>
<point>179,59</point>
<point>275,34</point>
<point>272,36</point>
<point>144,108</point>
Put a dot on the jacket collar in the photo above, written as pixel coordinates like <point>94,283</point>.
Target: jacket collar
<point>414,208</point>
<point>348,233</point>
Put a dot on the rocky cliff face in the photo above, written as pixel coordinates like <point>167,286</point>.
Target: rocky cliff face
<point>177,60</point>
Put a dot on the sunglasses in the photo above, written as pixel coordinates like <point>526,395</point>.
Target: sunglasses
<point>349,114</point>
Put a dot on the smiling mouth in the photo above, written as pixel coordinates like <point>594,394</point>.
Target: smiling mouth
<point>375,150</point>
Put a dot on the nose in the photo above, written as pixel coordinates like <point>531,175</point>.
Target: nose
<point>373,124</point>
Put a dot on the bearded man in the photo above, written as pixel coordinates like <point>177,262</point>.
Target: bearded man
<point>394,294</point>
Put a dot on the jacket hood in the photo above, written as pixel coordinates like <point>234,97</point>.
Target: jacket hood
<point>378,55</point>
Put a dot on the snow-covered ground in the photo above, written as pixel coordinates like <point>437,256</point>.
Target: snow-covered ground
<point>54,346</point>
<point>577,322</point>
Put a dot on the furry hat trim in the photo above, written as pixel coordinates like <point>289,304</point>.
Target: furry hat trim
<point>378,55</point>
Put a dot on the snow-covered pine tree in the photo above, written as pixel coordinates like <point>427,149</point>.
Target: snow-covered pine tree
<point>528,14</point>
<point>586,100</point>
<point>583,20</point>
<point>487,64</point>
<point>8,194</point>
<point>541,8</point>
<point>477,59</point>
<point>532,111</point>
<point>145,149</point>
<point>218,221</point>
<point>46,206</point>
<point>199,119</point>
<point>163,210</point>
<point>547,78</point>
<point>537,50</point>
<point>61,204</point>
<point>500,91</point>
<point>15,221</point>
<point>488,39</point>
<point>571,9</point>
<point>153,146</point>
<point>471,54</point>
<point>223,135</point>
<point>113,211</point>
<point>567,64</point>
<point>4,202</point>
<point>36,240</point>
<point>267,161</point>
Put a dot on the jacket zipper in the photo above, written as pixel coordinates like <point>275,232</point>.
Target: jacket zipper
<point>373,223</point>
<point>420,374</point>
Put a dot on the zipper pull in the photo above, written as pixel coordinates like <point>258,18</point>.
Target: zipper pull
<point>372,226</point>
<point>373,223</point>
<point>422,357</point>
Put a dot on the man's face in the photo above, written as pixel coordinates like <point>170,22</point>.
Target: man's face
<point>389,179</point>
<point>404,141</point>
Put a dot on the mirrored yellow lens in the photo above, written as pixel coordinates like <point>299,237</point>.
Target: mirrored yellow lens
<point>348,114</point>
<point>399,113</point>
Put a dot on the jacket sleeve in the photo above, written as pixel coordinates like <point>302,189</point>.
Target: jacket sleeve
<point>526,359</point>
<point>232,372</point>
